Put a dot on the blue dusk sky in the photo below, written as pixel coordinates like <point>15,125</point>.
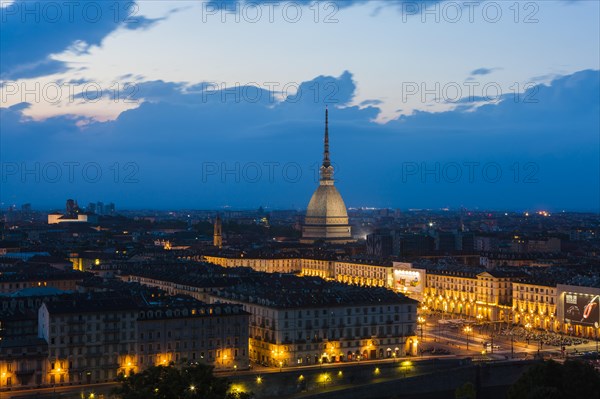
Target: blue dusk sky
<point>198,105</point>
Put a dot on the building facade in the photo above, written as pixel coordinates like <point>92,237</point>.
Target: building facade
<point>339,323</point>
<point>94,339</point>
<point>534,305</point>
<point>470,293</point>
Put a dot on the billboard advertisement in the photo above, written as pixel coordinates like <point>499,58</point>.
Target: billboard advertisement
<point>582,309</point>
<point>408,280</point>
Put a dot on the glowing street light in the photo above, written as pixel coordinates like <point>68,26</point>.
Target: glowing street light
<point>467,331</point>
<point>421,321</point>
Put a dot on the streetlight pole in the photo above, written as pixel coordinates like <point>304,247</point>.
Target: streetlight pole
<point>421,321</point>
<point>512,346</point>
<point>467,330</point>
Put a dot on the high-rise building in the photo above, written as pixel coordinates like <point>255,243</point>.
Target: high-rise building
<point>326,216</point>
<point>380,243</point>
<point>72,208</point>
<point>110,209</point>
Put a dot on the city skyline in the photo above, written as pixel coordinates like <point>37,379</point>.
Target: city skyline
<point>255,199</point>
<point>418,127</point>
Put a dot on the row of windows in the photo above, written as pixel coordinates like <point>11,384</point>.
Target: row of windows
<point>211,344</point>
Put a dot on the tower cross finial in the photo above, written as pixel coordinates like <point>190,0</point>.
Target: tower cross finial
<point>326,161</point>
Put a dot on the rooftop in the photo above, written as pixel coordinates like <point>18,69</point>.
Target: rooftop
<point>289,291</point>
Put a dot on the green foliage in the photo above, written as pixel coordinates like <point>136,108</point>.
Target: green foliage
<point>239,395</point>
<point>169,382</point>
<point>551,380</point>
<point>466,391</point>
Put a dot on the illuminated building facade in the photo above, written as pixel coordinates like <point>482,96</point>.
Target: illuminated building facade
<point>267,265</point>
<point>535,305</point>
<point>215,335</point>
<point>93,340</point>
<point>365,274</point>
<point>333,323</point>
<point>65,281</point>
<point>399,276</point>
<point>485,294</point>
<point>88,340</point>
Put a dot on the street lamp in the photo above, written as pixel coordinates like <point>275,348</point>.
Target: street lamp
<point>512,345</point>
<point>468,330</point>
<point>479,318</point>
<point>528,328</point>
<point>421,321</point>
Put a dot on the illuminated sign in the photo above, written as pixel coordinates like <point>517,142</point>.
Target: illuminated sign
<point>408,280</point>
<point>582,309</point>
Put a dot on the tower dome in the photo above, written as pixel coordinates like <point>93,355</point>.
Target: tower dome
<point>326,216</point>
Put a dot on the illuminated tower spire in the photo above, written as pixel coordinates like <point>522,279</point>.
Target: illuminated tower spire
<point>326,168</point>
<point>326,161</point>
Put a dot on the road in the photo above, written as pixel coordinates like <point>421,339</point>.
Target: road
<point>444,336</point>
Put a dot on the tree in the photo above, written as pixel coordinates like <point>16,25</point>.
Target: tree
<point>465,391</point>
<point>169,382</point>
<point>550,380</point>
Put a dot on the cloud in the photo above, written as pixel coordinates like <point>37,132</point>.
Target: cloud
<point>141,22</point>
<point>548,134</point>
<point>31,31</point>
<point>483,71</point>
<point>371,102</point>
<point>36,69</point>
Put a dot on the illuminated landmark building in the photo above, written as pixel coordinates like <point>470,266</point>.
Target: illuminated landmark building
<point>218,233</point>
<point>326,216</point>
